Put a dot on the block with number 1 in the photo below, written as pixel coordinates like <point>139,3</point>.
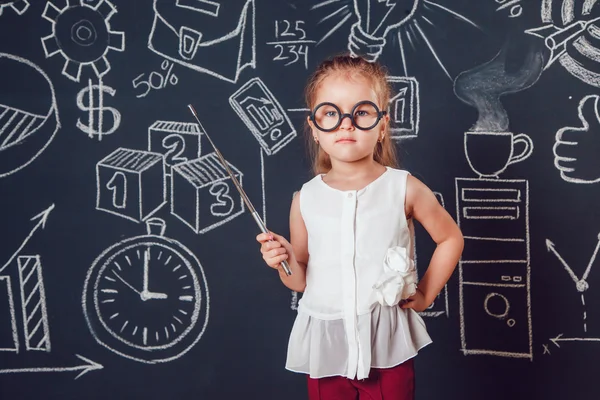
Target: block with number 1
<point>131,183</point>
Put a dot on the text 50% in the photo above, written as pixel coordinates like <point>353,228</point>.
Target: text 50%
<point>156,80</point>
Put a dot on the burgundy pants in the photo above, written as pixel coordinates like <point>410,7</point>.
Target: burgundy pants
<point>397,383</point>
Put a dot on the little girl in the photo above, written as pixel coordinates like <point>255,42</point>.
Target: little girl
<point>351,251</point>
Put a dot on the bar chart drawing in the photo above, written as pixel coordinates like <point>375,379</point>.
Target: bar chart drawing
<point>33,303</point>
<point>9,339</point>
<point>22,286</point>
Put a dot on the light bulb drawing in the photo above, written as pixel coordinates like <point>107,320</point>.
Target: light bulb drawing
<point>377,20</point>
<point>378,17</point>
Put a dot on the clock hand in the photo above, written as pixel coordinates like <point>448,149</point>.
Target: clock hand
<point>146,294</point>
<point>153,295</point>
<point>146,261</point>
<point>127,283</point>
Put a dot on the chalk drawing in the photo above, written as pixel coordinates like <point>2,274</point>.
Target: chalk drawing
<point>513,8</point>
<point>377,20</point>
<point>404,109</point>
<point>146,297</point>
<point>156,79</point>
<point>291,42</point>
<point>263,115</point>
<point>9,331</point>
<point>82,35</point>
<point>88,366</point>
<point>131,184</point>
<point>254,103</point>
<point>576,149</point>
<point>581,284</point>
<point>203,196</point>
<point>210,34</point>
<point>26,128</point>
<point>91,100</point>
<point>490,153</point>
<point>33,303</point>
<point>177,141</point>
<point>18,6</point>
<point>571,32</point>
<point>495,301</point>
<point>482,86</point>
<point>30,289</point>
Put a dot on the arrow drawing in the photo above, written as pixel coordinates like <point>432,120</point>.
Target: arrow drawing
<point>559,338</point>
<point>43,217</point>
<point>84,368</point>
<point>581,284</point>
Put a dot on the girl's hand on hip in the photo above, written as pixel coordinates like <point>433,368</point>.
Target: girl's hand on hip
<point>416,302</point>
<point>275,249</point>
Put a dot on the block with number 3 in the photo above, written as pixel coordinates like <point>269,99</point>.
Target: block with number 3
<point>203,195</point>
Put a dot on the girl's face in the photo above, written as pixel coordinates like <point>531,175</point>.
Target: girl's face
<point>347,143</point>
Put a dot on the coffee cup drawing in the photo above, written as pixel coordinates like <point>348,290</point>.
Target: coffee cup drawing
<point>490,153</point>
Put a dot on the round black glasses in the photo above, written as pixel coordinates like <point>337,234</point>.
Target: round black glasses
<point>365,115</point>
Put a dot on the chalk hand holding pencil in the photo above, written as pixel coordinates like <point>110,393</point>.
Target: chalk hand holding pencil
<point>245,198</point>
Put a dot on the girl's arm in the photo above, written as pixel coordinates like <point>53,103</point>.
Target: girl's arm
<point>296,252</point>
<point>422,205</point>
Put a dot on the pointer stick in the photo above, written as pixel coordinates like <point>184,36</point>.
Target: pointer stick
<point>255,215</point>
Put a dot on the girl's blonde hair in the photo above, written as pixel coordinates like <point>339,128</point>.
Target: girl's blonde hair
<point>385,151</point>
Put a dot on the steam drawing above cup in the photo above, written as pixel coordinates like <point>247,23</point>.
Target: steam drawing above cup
<point>482,87</point>
<point>489,144</point>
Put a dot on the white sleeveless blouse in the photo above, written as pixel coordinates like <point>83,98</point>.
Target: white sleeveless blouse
<point>359,242</point>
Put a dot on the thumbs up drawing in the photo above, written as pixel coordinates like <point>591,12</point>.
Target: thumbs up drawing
<point>577,149</point>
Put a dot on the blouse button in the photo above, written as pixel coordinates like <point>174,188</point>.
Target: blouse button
<point>349,195</point>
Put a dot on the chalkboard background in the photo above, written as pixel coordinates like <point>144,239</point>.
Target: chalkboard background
<point>103,171</point>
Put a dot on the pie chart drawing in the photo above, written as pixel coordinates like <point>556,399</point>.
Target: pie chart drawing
<point>28,113</point>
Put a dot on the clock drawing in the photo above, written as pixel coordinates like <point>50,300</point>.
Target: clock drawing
<point>146,297</point>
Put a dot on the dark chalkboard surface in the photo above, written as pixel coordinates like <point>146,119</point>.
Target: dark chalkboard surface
<point>128,265</point>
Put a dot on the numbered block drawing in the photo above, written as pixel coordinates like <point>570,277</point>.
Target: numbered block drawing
<point>26,128</point>
<point>494,269</point>
<point>177,141</point>
<point>18,6</point>
<point>131,184</point>
<point>214,38</point>
<point>263,115</point>
<point>33,303</point>
<point>82,35</point>
<point>203,195</point>
<point>9,338</point>
<point>404,109</point>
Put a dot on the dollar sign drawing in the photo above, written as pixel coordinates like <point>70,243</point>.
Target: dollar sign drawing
<point>96,109</point>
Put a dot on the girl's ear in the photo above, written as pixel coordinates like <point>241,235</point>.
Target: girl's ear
<point>386,118</point>
<point>310,123</point>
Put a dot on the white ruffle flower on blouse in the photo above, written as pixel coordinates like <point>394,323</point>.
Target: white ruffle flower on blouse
<point>399,278</point>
